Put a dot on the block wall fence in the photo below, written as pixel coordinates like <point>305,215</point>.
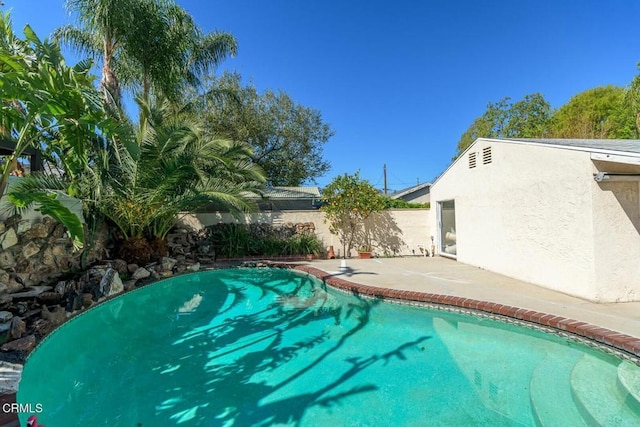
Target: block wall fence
<point>395,231</point>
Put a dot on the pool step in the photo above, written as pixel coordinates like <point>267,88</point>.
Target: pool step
<point>629,381</point>
<point>599,395</point>
<point>553,406</point>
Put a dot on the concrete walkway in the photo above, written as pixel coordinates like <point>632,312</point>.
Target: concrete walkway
<point>447,277</point>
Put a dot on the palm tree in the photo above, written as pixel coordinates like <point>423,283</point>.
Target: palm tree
<point>177,170</point>
<point>102,30</point>
<point>144,44</point>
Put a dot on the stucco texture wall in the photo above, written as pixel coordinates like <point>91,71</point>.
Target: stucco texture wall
<point>394,231</point>
<point>616,220</point>
<point>527,214</point>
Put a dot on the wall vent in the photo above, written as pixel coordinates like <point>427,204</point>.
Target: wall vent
<point>472,160</point>
<point>486,155</point>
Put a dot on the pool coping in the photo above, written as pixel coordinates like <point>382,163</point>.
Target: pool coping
<point>622,342</point>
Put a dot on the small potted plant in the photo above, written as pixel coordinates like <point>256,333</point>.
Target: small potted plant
<point>364,252</point>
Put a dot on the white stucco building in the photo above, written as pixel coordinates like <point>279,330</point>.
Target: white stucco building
<point>563,214</point>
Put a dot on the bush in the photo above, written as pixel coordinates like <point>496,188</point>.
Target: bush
<point>238,240</point>
<point>390,203</point>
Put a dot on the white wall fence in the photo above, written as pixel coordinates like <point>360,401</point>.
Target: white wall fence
<point>394,231</point>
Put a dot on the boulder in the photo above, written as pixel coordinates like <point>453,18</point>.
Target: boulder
<point>8,284</point>
<point>7,260</point>
<point>130,284</point>
<point>30,249</point>
<point>120,266</point>
<point>23,344</point>
<point>60,250</point>
<point>42,327</point>
<point>8,239</point>
<point>23,226</point>
<point>87,300</point>
<point>16,329</point>
<point>56,317</point>
<point>37,231</point>
<point>58,231</point>
<point>32,293</point>
<point>5,316</point>
<point>168,263</point>
<point>11,374</point>
<point>48,258</point>
<point>111,284</point>
<point>141,273</point>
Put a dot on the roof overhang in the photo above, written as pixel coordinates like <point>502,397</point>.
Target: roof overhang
<point>616,158</point>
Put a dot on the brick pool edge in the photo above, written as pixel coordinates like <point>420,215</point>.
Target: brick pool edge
<point>619,341</point>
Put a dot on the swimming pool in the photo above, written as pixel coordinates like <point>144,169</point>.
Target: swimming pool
<point>274,347</point>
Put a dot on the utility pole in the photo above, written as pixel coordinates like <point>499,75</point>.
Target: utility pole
<point>384,169</point>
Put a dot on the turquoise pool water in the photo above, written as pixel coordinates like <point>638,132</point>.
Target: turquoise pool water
<point>262,347</point>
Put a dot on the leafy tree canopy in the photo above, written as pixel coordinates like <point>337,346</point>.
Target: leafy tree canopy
<point>144,44</point>
<point>595,113</point>
<point>527,118</point>
<point>44,102</point>
<point>287,138</point>
<point>349,201</point>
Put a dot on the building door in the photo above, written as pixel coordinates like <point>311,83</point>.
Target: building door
<point>447,225</point>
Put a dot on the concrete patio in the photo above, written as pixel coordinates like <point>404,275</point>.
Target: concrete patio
<point>447,277</point>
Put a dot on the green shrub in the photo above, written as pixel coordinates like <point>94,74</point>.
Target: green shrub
<point>390,203</point>
<point>238,240</point>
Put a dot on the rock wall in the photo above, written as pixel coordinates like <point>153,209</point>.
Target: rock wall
<point>31,254</point>
<point>43,282</point>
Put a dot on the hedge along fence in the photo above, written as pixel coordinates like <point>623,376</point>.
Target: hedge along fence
<point>400,231</point>
<point>240,240</point>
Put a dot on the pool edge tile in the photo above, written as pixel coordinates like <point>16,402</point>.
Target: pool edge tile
<point>617,340</point>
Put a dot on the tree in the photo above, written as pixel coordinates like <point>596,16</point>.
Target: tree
<point>144,44</point>
<point>595,113</point>
<point>43,101</point>
<point>527,118</point>
<point>177,170</point>
<point>631,99</point>
<point>349,201</point>
<point>287,138</point>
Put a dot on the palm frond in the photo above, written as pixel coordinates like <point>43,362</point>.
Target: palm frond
<point>81,41</point>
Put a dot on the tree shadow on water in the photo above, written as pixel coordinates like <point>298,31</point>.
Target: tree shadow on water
<point>262,361</point>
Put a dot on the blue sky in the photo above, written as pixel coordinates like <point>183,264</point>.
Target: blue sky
<point>399,81</point>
